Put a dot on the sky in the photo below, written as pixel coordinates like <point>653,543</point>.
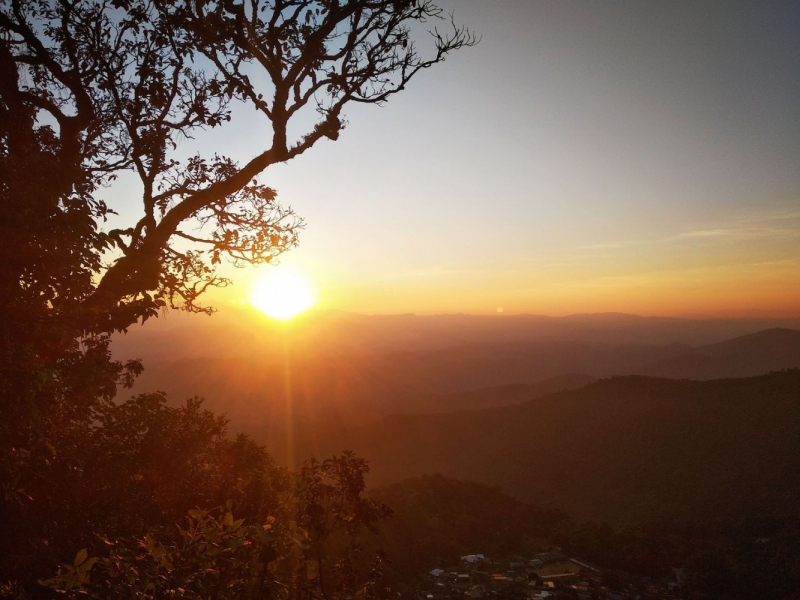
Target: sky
<point>624,156</point>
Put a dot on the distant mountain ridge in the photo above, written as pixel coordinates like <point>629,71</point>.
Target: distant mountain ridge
<point>621,449</point>
<point>493,397</point>
<point>752,354</point>
<point>242,333</point>
<point>259,393</point>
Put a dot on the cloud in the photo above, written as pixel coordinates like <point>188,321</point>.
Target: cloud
<point>766,225</point>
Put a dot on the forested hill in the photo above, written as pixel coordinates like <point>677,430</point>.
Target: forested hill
<point>623,449</point>
<point>457,518</point>
<point>756,557</point>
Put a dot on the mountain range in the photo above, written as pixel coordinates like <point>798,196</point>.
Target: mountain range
<point>622,450</point>
<point>268,396</point>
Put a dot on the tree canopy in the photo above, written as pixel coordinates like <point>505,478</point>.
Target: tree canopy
<point>91,90</point>
<point>94,88</point>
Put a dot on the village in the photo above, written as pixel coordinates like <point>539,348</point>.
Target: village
<point>550,575</point>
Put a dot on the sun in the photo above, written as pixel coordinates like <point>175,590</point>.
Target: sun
<point>282,294</point>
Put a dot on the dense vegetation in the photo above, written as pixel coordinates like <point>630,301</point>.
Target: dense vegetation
<point>150,499</point>
<point>136,499</point>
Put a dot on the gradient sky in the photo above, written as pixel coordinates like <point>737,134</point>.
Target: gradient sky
<point>586,156</point>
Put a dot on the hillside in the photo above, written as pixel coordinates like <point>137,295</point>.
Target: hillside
<point>752,354</point>
<point>437,519</point>
<point>457,518</point>
<point>493,397</point>
<point>622,449</point>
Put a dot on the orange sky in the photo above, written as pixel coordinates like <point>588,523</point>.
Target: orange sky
<point>757,289</point>
<point>584,157</point>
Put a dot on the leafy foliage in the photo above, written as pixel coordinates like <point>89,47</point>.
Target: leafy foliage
<point>216,555</point>
<point>92,89</point>
<point>96,88</point>
<point>127,476</point>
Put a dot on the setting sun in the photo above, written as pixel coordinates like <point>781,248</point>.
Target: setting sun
<point>282,294</point>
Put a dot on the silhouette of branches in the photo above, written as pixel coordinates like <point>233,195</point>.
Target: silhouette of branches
<point>111,85</point>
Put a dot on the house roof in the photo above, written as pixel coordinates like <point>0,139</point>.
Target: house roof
<point>585,565</point>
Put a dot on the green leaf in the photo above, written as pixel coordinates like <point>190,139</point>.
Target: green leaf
<point>80,557</point>
<point>86,566</point>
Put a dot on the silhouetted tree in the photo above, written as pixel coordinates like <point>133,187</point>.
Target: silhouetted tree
<point>90,89</point>
<point>94,88</point>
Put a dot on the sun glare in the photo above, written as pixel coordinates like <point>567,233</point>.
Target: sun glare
<point>282,294</point>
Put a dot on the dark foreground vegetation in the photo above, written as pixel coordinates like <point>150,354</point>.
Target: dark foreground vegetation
<point>134,499</point>
<point>147,501</point>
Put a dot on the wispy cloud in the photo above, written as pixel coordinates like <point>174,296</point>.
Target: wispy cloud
<point>768,225</point>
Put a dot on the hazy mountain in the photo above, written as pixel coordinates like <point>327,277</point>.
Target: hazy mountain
<point>492,397</point>
<point>241,332</point>
<point>621,449</point>
<point>261,393</point>
<point>271,396</point>
<point>752,354</point>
